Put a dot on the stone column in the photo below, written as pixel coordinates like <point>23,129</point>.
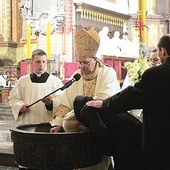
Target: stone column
<point>151,6</point>
<point>6,20</point>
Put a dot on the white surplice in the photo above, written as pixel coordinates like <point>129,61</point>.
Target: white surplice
<point>28,92</point>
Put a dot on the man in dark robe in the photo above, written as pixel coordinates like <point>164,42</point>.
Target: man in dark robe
<point>152,94</point>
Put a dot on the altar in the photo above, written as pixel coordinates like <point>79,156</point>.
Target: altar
<point>117,63</point>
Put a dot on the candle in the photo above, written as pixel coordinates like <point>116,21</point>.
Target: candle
<point>142,20</point>
<point>28,41</point>
<point>142,27</point>
<point>48,43</point>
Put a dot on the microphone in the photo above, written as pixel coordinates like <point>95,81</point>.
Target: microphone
<point>76,77</point>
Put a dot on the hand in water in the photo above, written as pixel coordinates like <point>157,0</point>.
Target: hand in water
<point>55,129</point>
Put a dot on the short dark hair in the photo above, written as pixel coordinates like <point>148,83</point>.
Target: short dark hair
<point>154,51</point>
<point>125,33</point>
<point>38,52</point>
<point>164,42</point>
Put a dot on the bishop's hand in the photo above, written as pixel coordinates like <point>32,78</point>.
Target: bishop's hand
<point>56,129</point>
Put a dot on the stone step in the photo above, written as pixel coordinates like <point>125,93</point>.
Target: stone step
<point>4,107</point>
<point>6,117</point>
<point>5,135</point>
<point>6,112</point>
<point>7,122</point>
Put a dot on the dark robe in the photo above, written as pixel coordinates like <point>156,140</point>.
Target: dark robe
<point>118,134</point>
<point>152,94</point>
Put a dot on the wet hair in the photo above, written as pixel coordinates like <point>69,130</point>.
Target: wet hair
<point>38,52</point>
<point>154,51</point>
<point>164,42</point>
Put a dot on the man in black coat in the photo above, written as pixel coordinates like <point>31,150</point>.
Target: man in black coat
<point>152,94</point>
<point>118,135</point>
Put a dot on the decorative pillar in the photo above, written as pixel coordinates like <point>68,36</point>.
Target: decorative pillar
<point>125,27</point>
<point>151,7</point>
<point>141,25</point>
<point>6,20</point>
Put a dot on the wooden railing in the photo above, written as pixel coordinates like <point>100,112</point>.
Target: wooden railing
<point>117,63</point>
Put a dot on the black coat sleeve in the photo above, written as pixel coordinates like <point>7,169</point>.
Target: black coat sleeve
<point>129,98</point>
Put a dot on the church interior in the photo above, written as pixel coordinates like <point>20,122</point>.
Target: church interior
<point>26,25</point>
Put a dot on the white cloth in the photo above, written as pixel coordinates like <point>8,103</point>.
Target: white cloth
<point>104,47</point>
<point>27,92</point>
<point>127,82</point>
<point>3,80</point>
<point>115,47</point>
<point>127,49</point>
<point>134,112</point>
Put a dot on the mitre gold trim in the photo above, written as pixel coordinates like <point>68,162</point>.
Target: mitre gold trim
<point>86,42</point>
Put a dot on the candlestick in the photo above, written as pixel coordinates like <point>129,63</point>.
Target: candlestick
<point>48,44</point>
<point>28,41</point>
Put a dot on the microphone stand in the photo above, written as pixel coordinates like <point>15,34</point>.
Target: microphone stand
<point>44,97</point>
<point>76,77</point>
<point>67,84</point>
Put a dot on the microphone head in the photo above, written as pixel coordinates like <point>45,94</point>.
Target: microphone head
<point>77,76</point>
